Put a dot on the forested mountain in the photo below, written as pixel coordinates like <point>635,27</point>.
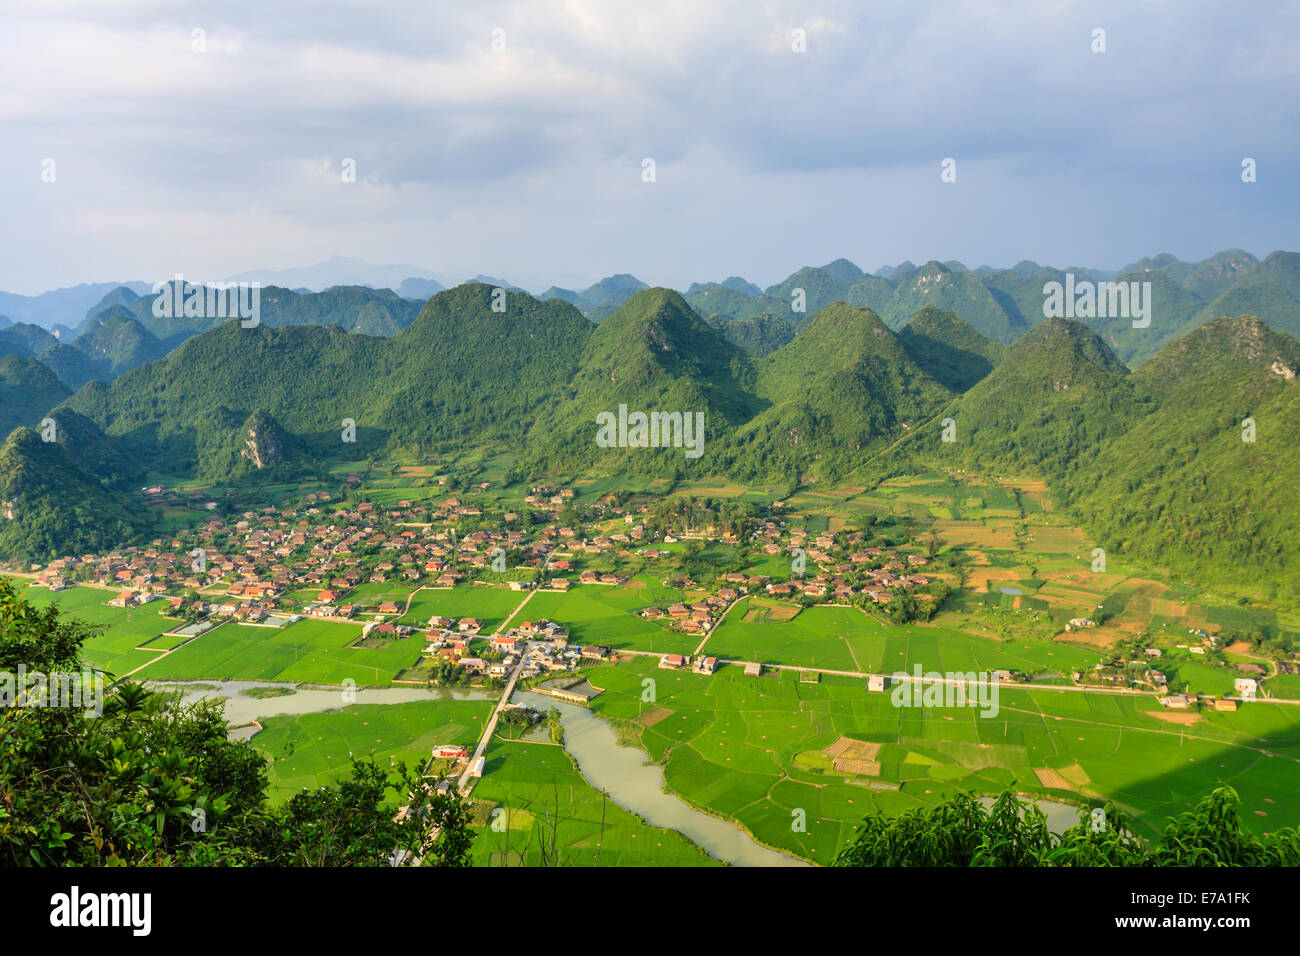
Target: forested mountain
<point>756,335</point>
<point>935,284</point>
<point>23,338</point>
<point>354,308</point>
<point>1208,278</point>
<point>73,367</point>
<point>27,391</point>
<point>50,506</point>
<point>1046,408</point>
<point>1270,291</point>
<point>731,303</point>
<point>654,354</point>
<point>1004,304</point>
<point>463,374</point>
<point>117,343</point>
<point>65,306</point>
<point>842,386</point>
<point>601,299</point>
<point>1181,487</point>
<point>1152,461</point>
<point>460,374</point>
<point>948,349</point>
<point>735,283</point>
<point>180,413</point>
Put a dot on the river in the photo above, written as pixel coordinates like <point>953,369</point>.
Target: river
<point>636,784</point>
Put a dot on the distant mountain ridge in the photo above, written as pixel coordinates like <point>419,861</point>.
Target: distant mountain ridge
<point>846,397</point>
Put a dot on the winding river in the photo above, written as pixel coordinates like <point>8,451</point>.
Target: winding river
<point>635,784</point>
<point>625,773</point>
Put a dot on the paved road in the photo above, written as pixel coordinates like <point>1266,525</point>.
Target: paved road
<point>464,783</point>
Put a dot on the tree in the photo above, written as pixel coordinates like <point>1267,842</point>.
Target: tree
<point>150,782</point>
<point>1013,832</point>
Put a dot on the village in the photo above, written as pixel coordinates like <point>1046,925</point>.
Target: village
<point>325,560</point>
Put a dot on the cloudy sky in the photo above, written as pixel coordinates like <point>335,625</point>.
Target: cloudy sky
<point>216,153</point>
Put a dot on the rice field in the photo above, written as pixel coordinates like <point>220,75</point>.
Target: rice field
<point>754,749</point>
<point>311,750</point>
<point>528,784</point>
<point>309,651</point>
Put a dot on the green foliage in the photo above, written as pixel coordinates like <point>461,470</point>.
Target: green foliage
<point>1013,832</point>
<point>50,506</point>
<point>1180,486</point>
<point>153,783</point>
<point>757,335</point>
<point>115,342</point>
<point>844,385</point>
<point>948,349</point>
<point>27,391</point>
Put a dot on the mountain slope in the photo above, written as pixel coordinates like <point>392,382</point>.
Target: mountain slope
<point>844,385</point>
<point>49,506</point>
<point>949,290</point>
<point>948,349</point>
<point>1271,291</point>
<point>117,343</point>
<point>1181,488</point>
<point>654,354</point>
<point>28,390</point>
<point>757,335</point>
<point>1045,409</point>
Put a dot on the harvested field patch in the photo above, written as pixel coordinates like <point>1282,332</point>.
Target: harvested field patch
<point>859,768</point>
<point>1076,775</point>
<point>653,716</point>
<point>850,749</point>
<point>1052,779</point>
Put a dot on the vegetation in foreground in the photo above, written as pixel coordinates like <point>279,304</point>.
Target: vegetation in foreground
<point>150,783</point>
<point>1013,832</point>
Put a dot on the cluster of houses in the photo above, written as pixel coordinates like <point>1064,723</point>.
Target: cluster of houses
<point>542,647</point>
<point>253,561</point>
<point>696,618</point>
<point>700,664</point>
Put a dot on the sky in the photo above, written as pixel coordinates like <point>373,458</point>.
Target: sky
<point>510,138</point>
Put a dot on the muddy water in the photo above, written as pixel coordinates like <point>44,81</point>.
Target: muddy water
<point>637,785</point>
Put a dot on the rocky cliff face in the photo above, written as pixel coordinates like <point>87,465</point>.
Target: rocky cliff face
<point>264,441</point>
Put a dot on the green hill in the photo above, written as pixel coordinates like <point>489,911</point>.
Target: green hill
<point>1271,291</point>
<point>654,354</point>
<point>49,506</point>
<point>949,290</point>
<point>1173,312</point>
<point>117,343</point>
<point>461,375</point>
<point>948,349</point>
<point>756,335</point>
<point>72,366</point>
<point>168,412</point>
<point>357,309</point>
<point>1045,409</point>
<point>1181,488</point>
<point>843,386</point>
<point>23,338</point>
<point>28,390</point>
<point>821,286</point>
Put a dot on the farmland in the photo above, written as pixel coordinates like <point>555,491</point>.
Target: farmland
<point>799,742</point>
<point>305,651</point>
<point>754,749</point>
<point>844,638</point>
<point>533,784</point>
<point>312,750</point>
<point>490,605</point>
